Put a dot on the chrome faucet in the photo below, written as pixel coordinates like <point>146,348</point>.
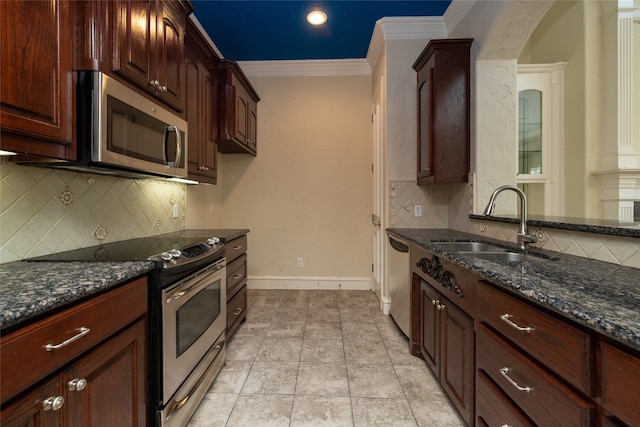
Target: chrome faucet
<point>524,238</point>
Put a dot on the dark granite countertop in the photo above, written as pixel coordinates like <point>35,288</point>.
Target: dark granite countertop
<point>29,290</point>
<point>601,296</point>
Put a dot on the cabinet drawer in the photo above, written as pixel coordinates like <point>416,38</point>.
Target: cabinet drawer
<point>546,401</point>
<point>236,311</point>
<point>236,275</point>
<point>24,353</point>
<point>234,248</point>
<point>563,348</point>
<point>493,408</point>
<point>620,378</point>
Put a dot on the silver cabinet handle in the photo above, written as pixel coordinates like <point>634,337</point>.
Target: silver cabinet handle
<point>505,318</point>
<point>77,384</point>
<point>441,306</point>
<point>53,403</point>
<point>434,302</point>
<point>504,371</point>
<point>237,311</point>
<point>83,331</point>
<point>237,248</point>
<point>237,276</point>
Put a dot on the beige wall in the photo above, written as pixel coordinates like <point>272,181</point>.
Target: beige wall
<point>308,193</point>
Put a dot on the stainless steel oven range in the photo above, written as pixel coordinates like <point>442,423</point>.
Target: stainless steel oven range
<point>186,336</point>
<point>187,316</point>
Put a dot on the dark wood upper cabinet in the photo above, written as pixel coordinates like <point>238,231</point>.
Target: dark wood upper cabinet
<point>443,92</point>
<point>36,78</point>
<point>238,111</point>
<point>148,46</point>
<point>201,96</point>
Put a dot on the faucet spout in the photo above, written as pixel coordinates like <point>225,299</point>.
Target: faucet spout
<point>524,238</point>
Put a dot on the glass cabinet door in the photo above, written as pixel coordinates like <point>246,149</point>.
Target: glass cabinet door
<point>540,137</point>
<point>530,132</point>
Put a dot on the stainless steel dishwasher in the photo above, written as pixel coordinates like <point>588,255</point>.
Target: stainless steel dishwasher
<point>400,283</point>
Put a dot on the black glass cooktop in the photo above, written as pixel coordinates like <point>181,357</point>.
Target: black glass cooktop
<point>139,249</point>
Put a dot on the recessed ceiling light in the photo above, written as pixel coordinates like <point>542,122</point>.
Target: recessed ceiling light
<point>316,17</point>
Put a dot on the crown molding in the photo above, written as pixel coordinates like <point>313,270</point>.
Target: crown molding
<point>456,11</point>
<point>404,28</point>
<point>302,68</point>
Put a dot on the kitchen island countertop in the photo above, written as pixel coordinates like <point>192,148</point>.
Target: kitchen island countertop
<point>30,290</point>
<point>602,296</point>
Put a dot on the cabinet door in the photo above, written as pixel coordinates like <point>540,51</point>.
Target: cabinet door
<point>430,327</point>
<point>241,132</point>
<point>457,355</point>
<point>193,102</point>
<point>209,138</point>
<point>134,41</point>
<point>425,135</point>
<point>108,386</point>
<point>170,54</point>
<point>252,129</point>
<point>36,79</point>
<point>30,410</point>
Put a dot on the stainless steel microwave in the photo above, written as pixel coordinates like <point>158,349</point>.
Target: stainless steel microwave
<point>121,132</point>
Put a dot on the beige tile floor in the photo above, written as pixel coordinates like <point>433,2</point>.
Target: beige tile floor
<point>322,358</point>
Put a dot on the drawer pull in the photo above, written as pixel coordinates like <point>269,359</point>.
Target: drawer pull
<point>505,319</point>
<point>237,276</point>
<point>237,311</point>
<point>53,403</point>
<point>504,372</point>
<point>237,248</point>
<point>77,384</point>
<point>83,331</point>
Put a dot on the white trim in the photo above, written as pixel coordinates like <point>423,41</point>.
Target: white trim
<point>456,11</point>
<point>404,28</point>
<point>323,283</point>
<point>308,67</point>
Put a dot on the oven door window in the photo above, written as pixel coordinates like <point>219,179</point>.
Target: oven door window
<point>196,316</point>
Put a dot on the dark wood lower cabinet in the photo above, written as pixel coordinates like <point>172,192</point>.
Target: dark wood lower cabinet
<point>30,409</point>
<point>447,344</point>
<point>115,373</point>
<point>95,376</point>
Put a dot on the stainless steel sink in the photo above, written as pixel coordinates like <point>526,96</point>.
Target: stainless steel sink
<point>470,247</point>
<point>502,256</point>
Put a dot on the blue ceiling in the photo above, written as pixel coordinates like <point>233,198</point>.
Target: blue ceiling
<point>277,29</point>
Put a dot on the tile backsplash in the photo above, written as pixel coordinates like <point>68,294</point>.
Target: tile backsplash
<point>51,210</point>
<point>404,196</point>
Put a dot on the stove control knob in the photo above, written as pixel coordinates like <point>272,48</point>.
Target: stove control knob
<point>213,241</point>
<point>175,253</point>
<point>166,256</point>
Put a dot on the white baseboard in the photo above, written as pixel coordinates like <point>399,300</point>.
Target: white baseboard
<point>323,283</point>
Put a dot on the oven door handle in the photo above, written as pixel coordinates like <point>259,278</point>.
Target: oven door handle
<point>196,286</point>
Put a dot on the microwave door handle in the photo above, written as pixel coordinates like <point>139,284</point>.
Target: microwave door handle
<point>176,161</point>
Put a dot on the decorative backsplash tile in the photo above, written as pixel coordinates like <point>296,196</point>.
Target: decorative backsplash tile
<point>50,210</point>
<point>404,196</point>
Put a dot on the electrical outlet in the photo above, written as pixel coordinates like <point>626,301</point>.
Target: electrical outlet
<point>176,212</point>
<point>417,211</point>
<point>300,262</point>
